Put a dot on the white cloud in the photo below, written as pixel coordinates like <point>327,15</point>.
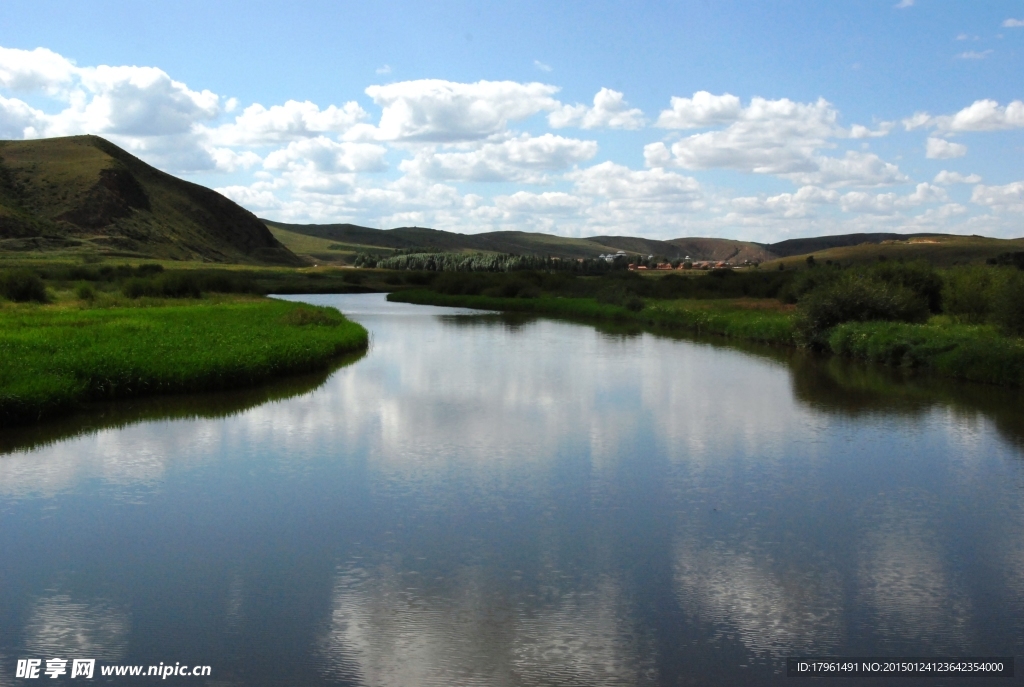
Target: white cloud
<point>385,69</point>
<point>610,111</point>
<point>1009,197</point>
<point>433,110</point>
<point>550,202</point>
<point>787,205</point>
<point>974,55</point>
<point>617,182</point>
<point>702,110</point>
<point>984,115</point>
<point>19,120</point>
<point>903,4</point>
<point>853,169</point>
<point>779,137</point>
<point>524,158</point>
<point>802,203</point>
<point>259,125</point>
<point>769,137</point>
<point>860,131</point>
<point>890,203</point>
<point>325,155</point>
<point>34,70</point>
<point>131,101</point>
<point>227,160</point>
<point>945,177</point>
<point>541,66</point>
<point>941,149</point>
<point>1012,23</point>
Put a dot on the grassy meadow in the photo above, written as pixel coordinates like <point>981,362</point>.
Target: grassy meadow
<point>56,357</point>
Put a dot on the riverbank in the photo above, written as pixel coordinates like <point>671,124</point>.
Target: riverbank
<point>970,352</point>
<point>54,358</point>
<point>762,320</point>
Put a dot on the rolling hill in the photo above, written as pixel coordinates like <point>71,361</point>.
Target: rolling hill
<point>338,242</point>
<point>83,194</point>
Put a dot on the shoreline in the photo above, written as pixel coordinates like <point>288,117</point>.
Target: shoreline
<point>971,353</point>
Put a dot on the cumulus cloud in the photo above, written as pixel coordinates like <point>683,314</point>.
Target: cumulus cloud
<point>19,120</point>
<point>981,115</point>
<point>803,202</point>
<point>618,182</point>
<point>433,110</point>
<point>1012,23</point>
<point>325,155</point>
<point>524,158</point>
<point>702,110</point>
<point>549,202</point>
<point>227,160</point>
<point>1009,197</point>
<point>259,125</point>
<point>788,205</point>
<point>945,177</point>
<point>35,70</point>
<point>779,137</point>
<point>890,203</point>
<point>853,169</point>
<point>941,149</point>
<point>860,131</point>
<point>610,111</point>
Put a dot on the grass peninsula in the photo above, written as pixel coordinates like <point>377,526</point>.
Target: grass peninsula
<point>54,358</point>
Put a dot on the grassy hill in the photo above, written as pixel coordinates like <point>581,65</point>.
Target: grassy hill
<point>83,194</point>
<point>941,250</point>
<point>339,242</point>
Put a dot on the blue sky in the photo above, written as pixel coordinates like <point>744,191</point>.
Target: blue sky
<point>750,120</point>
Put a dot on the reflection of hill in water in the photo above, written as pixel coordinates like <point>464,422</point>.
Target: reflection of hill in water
<point>854,388</point>
<point>117,414</point>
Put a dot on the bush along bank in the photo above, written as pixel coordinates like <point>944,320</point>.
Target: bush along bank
<point>53,360</point>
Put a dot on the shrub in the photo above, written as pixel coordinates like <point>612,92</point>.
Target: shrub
<point>352,277</point>
<point>180,285</point>
<point>85,291</point>
<point>967,294</point>
<point>1008,310</point>
<point>621,297</point>
<point>855,297</point>
<point>918,276</point>
<point>22,286</point>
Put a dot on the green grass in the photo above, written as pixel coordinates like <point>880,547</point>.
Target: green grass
<point>973,352</point>
<point>53,359</point>
<point>755,320</point>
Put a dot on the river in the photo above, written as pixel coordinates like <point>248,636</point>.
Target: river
<point>486,500</point>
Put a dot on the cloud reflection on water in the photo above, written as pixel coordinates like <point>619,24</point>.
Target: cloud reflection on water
<point>744,476</point>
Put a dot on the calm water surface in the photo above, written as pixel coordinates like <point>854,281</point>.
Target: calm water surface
<point>487,501</point>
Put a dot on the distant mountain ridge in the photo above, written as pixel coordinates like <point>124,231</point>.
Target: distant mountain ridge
<point>355,237</point>
<point>85,193</point>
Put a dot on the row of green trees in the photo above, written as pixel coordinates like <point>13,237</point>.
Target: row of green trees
<point>482,262</point>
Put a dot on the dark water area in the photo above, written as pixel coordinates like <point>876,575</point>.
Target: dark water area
<point>484,500</point>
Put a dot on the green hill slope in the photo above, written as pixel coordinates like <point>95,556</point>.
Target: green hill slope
<point>84,194</point>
